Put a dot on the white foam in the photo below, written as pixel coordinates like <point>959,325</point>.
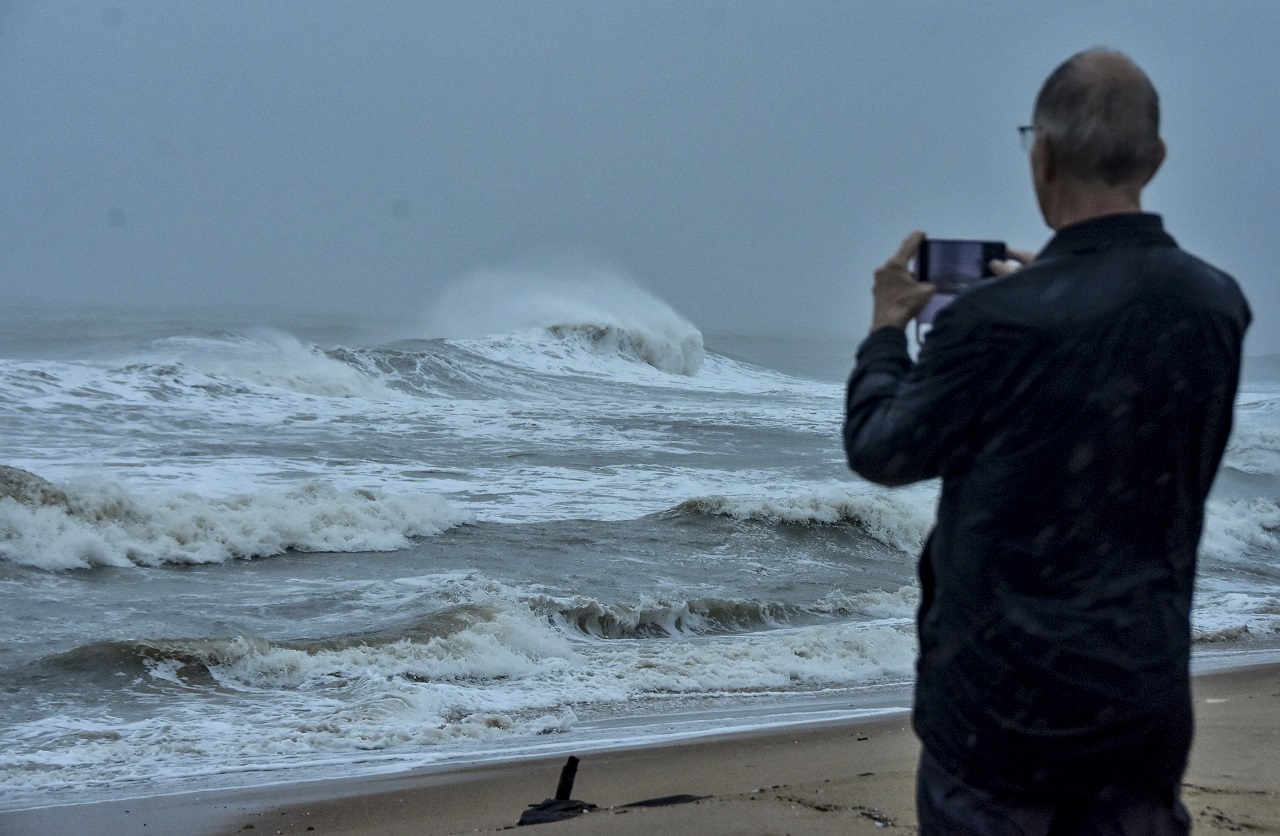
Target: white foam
<point>897,518</point>
<point>776,660</point>
<point>680,617</point>
<point>602,311</point>
<point>509,675</point>
<point>1226,612</point>
<point>1237,530</point>
<point>106,524</point>
<point>1254,449</point>
<point>270,358</point>
<point>900,603</point>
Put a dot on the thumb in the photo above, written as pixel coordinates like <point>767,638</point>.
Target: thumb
<point>1002,268</point>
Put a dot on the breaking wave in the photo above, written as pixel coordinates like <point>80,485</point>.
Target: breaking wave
<point>601,312</point>
<point>497,673</point>
<point>652,617</point>
<point>498,635</point>
<point>1237,530</point>
<point>106,524</point>
<point>899,519</point>
<point>266,357</point>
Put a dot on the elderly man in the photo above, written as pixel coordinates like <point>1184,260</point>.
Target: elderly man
<point>1076,412</point>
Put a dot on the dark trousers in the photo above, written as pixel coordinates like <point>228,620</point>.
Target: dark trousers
<point>946,806</point>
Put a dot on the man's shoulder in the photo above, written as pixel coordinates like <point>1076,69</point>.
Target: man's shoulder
<point>1091,284</point>
<point>1013,300</point>
<point>1174,272</point>
<point>1175,260</point>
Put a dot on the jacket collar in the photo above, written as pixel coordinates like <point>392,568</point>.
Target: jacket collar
<point>1105,232</point>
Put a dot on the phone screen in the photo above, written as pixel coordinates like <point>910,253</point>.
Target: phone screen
<point>953,266</point>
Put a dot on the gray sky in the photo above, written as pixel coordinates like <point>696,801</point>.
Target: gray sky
<point>750,163</point>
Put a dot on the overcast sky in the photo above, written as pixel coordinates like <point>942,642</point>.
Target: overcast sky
<point>750,162</point>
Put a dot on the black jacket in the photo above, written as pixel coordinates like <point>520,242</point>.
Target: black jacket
<point>1076,412</point>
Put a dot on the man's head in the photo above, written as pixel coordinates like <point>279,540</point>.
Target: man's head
<point>1097,122</point>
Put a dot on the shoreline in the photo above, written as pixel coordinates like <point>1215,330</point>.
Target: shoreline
<point>836,776</point>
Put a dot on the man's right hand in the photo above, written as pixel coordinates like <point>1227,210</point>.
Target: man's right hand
<point>898,296</point>
<point>1001,267</point>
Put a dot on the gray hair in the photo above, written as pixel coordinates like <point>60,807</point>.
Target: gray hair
<point>1101,114</point>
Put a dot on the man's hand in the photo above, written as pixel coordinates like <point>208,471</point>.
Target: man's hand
<point>897,295</point>
<point>1003,268</point>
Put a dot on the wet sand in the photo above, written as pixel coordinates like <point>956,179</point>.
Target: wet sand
<point>834,778</point>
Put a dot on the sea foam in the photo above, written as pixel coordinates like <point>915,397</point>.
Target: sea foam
<point>269,358</point>
<point>900,519</point>
<point>511,675</point>
<point>106,524</point>
<point>662,617</point>
<point>605,312</point>
<point>1237,530</point>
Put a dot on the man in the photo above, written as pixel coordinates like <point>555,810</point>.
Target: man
<point>1076,412</point>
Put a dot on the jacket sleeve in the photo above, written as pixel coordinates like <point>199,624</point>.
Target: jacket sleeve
<point>906,421</point>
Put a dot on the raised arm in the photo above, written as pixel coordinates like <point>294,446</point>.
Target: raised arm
<point>905,421</point>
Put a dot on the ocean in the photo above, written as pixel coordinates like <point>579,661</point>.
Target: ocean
<point>247,554</point>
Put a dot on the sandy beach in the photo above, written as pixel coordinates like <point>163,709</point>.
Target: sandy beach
<point>844,778</point>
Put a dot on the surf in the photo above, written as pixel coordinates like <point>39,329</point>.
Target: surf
<point>91,523</point>
<point>602,311</point>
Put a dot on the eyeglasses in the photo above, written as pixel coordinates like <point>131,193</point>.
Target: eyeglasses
<point>1027,133</point>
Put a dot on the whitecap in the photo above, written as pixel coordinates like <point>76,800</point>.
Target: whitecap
<point>107,524</point>
<point>601,311</point>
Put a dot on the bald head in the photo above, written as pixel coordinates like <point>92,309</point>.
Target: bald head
<point>1101,114</point>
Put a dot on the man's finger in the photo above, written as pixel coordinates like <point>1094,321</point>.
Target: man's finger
<point>1000,268</point>
<point>910,245</point>
<point>1023,257</point>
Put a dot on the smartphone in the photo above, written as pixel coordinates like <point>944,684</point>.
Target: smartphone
<point>953,266</point>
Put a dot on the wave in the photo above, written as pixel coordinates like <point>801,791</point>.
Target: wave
<point>507,645</point>
<point>105,524</point>
<point>535,360</point>
<point>592,350</point>
<point>266,357</point>
<point>468,643</point>
<point>202,707</point>
<point>1254,449</point>
<point>190,369</point>
<point>496,635</point>
<point>603,312</point>
<point>899,519</point>
<point>328,700</point>
<point>430,368</point>
<point>1229,610</point>
<point>255,374</point>
<point>676,353</point>
<point>656,617</point>
<point>1237,530</point>
<point>25,487</point>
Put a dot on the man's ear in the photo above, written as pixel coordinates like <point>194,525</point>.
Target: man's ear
<point>1159,162</point>
<point>1043,159</point>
